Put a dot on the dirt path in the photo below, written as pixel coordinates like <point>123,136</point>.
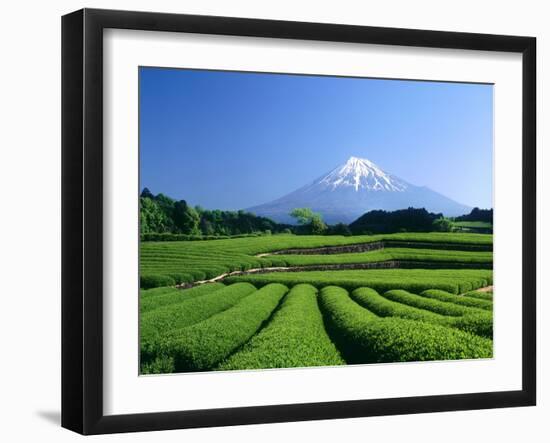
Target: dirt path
<point>485,289</point>
<point>388,264</point>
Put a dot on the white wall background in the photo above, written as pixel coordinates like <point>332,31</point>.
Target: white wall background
<point>30,218</point>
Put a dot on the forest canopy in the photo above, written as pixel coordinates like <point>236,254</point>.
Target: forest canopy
<point>161,214</point>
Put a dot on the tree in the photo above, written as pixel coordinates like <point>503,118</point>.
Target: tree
<point>147,194</point>
<point>317,225</point>
<point>302,215</point>
<point>186,218</point>
<point>442,224</point>
<point>313,220</point>
<point>339,229</point>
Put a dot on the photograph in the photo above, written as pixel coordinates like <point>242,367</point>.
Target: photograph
<point>293,221</point>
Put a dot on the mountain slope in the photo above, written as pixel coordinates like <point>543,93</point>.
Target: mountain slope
<point>356,187</point>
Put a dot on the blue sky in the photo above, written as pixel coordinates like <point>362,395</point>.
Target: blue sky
<point>231,140</point>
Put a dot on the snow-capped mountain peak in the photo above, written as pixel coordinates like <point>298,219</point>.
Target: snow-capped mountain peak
<point>361,173</point>
<point>354,188</point>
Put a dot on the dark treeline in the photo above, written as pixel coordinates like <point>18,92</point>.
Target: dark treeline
<point>403,220</point>
<point>163,218</point>
<point>160,214</point>
<point>484,215</point>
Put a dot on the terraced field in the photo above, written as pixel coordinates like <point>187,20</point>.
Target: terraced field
<point>297,301</point>
<point>172,263</point>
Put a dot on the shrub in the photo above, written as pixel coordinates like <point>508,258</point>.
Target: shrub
<point>155,281</point>
<point>203,345</point>
<point>295,337</point>
<point>486,295</point>
<point>459,300</point>
<point>157,325</point>
<point>414,280</point>
<point>475,322</point>
<point>363,337</point>
<point>430,304</point>
<point>174,295</point>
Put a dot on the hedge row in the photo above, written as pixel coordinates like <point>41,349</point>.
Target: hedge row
<point>185,237</point>
<point>160,324</point>
<point>295,337</point>
<point>202,346</point>
<point>167,263</point>
<point>386,254</point>
<point>430,304</point>
<point>413,280</point>
<point>363,337</point>
<point>485,295</point>
<point>475,322</point>
<point>172,295</point>
<point>459,300</point>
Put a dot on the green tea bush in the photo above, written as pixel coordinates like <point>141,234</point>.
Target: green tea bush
<point>459,300</point>
<point>477,322</point>
<point>388,254</point>
<point>295,337</point>
<point>215,257</point>
<point>154,292</point>
<point>430,304</point>
<point>414,280</point>
<point>363,337</point>
<point>201,346</point>
<point>173,295</point>
<point>159,324</point>
<point>486,295</point>
<point>382,307</point>
<point>155,280</point>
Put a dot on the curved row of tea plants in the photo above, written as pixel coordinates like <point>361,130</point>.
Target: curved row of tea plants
<point>464,300</point>
<point>363,337</point>
<point>155,298</point>
<point>455,281</point>
<point>387,254</point>
<point>474,321</point>
<point>239,327</point>
<point>205,344</point>
<point>158,324</point>
<point>295,337</point>
<point>171,263</point>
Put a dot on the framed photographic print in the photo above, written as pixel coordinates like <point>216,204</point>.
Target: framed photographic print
<point>269,221</point>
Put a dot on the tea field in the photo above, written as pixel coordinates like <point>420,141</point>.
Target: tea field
<point>296,301</point>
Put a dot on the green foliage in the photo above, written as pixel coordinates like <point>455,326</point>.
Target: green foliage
<point>147,281</point>
<point>203,345</point>
<point>317,226</point>
<point>414,280</point>
<point>459,300</point>
<point>473,224</point>
<point>162,215</point>
<point>482,215</point>
<point>339,229</point>
<point>402,220</point>
<point>186,218</point>
<point>197,260</point>
<point>303,215</point>
<point>476,322</point>
<point>157,325</point>
<point>363,337</point>
<point>430,304</point>
<point>295,337</point>
<point>387,254</point>
<point>313,220</point>
<point>442,224</point>
<point>168,296</point>
<point>482,295</point>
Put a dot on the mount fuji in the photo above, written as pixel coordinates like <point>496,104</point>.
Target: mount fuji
<point>356,187</point>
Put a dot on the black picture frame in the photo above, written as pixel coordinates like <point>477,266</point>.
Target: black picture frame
<point>82,218</point>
